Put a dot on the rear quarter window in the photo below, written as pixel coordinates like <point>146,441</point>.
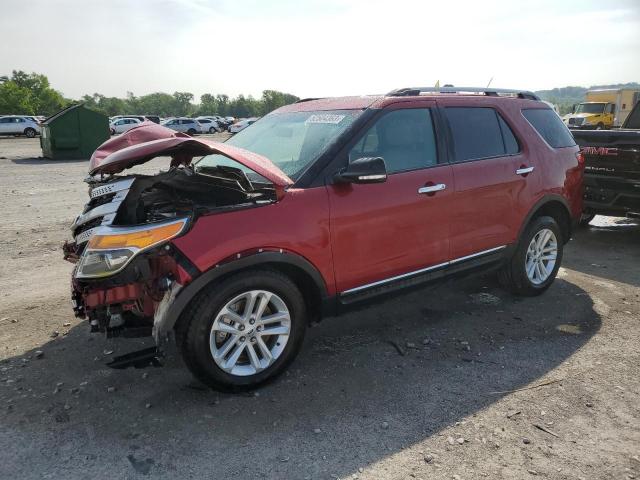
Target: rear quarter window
<point>547,123</point>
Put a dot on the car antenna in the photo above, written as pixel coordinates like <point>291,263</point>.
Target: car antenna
<point>490,80</point>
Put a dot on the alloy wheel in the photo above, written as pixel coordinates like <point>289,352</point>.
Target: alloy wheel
<point>541,256</point>
<point>250,332</point>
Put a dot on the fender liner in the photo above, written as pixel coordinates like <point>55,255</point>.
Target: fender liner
<point>164,323</point>
<point>545,200</point>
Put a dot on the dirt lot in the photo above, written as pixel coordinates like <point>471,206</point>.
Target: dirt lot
<point>483,385</point>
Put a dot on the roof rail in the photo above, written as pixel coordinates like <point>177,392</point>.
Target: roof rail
<point>310,99</point>
<point>492,92</point>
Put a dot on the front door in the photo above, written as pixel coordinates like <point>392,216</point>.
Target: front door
<point>398,228</point>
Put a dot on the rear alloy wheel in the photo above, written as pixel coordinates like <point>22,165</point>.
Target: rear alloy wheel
<point>30,132</point>
<point>243,332</point>
<point>541,256</point>
<point>212,130</point>
<point>536,260</point>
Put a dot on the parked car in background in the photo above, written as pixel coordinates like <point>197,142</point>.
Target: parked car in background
<point>242,124</point>
<point>118,117</point>
<point>320,205</point>
<point>19,125</point>
<point>153,118</point>
<point>612,169</point>
<point>121,125</point>
<point>185,125</point>
<point>209,124</point>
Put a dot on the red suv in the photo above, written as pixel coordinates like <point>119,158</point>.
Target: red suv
<point>318,205</point>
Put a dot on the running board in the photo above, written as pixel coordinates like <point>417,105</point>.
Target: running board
<point>481,260</point>
<point>147,357</point>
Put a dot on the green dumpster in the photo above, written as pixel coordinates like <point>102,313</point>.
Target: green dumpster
<point>74,132</point>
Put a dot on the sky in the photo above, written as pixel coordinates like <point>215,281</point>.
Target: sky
<point>314,48</point>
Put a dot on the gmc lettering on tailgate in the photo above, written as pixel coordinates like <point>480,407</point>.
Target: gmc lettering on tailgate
<point>603,151</point>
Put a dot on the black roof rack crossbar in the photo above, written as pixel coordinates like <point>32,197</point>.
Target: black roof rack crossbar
<point>310,99</point>
<point>494,92</point>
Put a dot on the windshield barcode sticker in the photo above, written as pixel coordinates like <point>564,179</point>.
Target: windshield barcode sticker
<point>325,118</point>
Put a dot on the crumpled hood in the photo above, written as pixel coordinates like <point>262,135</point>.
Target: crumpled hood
<point>149,140</point>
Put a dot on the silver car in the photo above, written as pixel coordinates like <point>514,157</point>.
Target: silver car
<point>19,125</point>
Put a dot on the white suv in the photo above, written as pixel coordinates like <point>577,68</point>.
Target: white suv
<point>183,124</point>
<point>18,125</point>
<point>123,124</point>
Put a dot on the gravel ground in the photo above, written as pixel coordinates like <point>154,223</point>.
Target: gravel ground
<point>458,382</point>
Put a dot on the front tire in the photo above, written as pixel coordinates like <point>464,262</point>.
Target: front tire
<point>536,260</point>
<point>244,332</point>
<point>191,131</point>
<point>212,130</point>
<point>30,132</point>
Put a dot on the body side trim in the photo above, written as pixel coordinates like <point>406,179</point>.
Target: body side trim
<point>422,270</point>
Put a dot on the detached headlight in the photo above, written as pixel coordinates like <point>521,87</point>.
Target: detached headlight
<point>110,249</point>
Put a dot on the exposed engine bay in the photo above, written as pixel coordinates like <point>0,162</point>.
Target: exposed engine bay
<point>181,191</point>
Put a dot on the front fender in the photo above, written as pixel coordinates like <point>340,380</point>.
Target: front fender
<point>178,297</point>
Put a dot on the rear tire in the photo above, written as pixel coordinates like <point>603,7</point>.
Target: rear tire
<point>536,260</point>
<point>191,131</point>
<point>213,328</point>
<point>600,126</point>
<point>30,132</point>
<point>212,130</point>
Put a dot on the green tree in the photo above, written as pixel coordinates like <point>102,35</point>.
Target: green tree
<point>183,103</point>
<point>29,93</point>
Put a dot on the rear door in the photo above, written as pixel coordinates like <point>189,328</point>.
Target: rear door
<point>388,231</point>
<point>491,172</point>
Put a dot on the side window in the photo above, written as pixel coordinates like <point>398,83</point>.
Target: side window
<point>510,143</point>
<point>549,126</point>
<point>404,138</point>
<point>477,133</point>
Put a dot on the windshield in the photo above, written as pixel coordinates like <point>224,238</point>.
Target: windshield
<point>292,141</point>
<point>590,108</point>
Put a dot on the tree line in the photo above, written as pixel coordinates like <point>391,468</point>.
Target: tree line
<point>31,94</point>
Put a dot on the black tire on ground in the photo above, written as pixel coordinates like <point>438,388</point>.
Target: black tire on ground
<point>194,328</point>
<point>29,132</point>
<point>113,132</point>
<point>212,130</point>
<point>191,131</point>
<point>513,276</point>
<point>586,218</point>
<point>600,126</point>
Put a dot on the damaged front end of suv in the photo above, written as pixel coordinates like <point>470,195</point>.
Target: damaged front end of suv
<point>127,270</point>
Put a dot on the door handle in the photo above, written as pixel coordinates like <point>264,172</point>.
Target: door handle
<point>432,188</point>
<point>524,170</point>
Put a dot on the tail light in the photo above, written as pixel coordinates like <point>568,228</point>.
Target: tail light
<point>580,158</point>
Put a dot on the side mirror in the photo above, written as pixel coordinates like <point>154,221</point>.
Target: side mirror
<point>573,108</point>
<point>363,170</point>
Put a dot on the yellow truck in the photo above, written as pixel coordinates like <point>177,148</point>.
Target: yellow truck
<point>604,108</point>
